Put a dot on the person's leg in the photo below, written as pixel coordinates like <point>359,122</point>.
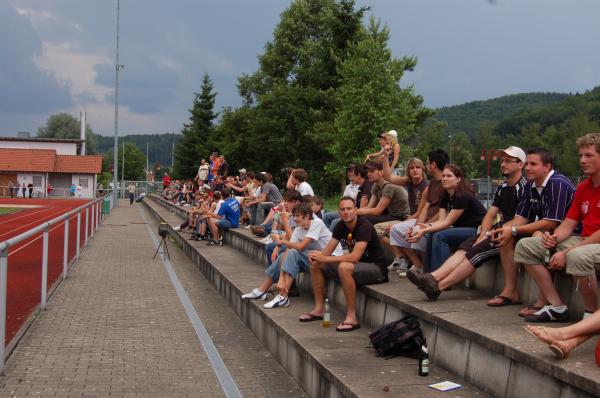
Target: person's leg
<point>510,269</point>
<point>329,217</point>
<point>587,327</point>
<point>462,271</point>
<point>292,265</point>
<point>441,242</point>
<point>582,263</point>
<point>214,229</point>
<point>399,244</point>
<point>253,213</point>
<point>530,252</point>
<point>346,274</point>
<point>334,223</point>
<point>449,265</point>
<point>317,279</point>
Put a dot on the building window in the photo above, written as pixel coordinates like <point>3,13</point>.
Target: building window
<point>37,181</point>
<point>83,182</point>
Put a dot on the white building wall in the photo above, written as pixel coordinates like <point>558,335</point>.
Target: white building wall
<point>61,148</point>
<point>86,192</point>
<point>27,178</point>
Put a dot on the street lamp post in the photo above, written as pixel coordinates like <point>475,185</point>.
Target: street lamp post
<point>488,154</point>
<point>116,146</point>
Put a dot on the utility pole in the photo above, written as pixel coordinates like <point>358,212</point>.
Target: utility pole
<point>147,169</point>
<point>172,157</point>
<point>123,170</point>
<point>116,146</point>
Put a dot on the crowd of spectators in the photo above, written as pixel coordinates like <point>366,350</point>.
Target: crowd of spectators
<point>437,229</point>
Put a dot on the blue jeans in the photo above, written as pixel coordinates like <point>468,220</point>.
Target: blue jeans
<point>294,263</point>
<point>329,217</point>
<point>259,211</point>
<point>438,245</point>
<point>270,248</point>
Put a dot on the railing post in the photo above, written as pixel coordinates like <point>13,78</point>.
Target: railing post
<point>78,234</point>
<point>66,249</point>
<point>92,221</point>
<point>3,273</point>
<point>85,235</point>
<point>44,268</point>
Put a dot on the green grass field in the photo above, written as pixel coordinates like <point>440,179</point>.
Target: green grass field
<point>8,210</point>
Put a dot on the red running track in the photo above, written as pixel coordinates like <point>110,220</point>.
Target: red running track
<point>25,258</point>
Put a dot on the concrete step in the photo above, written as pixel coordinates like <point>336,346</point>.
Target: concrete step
<point>486,346</point>
<point>324,362</point>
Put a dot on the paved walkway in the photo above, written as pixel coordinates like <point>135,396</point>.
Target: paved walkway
<point>117,327</point>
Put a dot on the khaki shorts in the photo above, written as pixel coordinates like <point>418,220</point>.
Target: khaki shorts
<point>582,261</point>
<point>382,226</point>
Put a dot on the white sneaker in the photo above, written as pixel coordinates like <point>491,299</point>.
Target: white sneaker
<point>402,271</point>
<point>255,294</point>
<point>267,239</point>
<point>278,301</point>
<point>177,228</point>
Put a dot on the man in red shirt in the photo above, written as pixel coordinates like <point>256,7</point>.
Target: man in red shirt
<point>579,254</point>
<point>166,181</point>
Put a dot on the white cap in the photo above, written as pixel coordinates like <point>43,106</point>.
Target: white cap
<point>514,152</point>
<point>242,170</point>
<point>393,133</point>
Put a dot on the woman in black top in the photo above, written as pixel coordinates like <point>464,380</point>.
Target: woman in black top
<point>459,216</point>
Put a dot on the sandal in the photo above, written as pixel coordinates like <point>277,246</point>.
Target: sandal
<point>539,332</point>
<point>503,301</point>
<point>341,328</point>
<point>529,310</point>
<point>308,317</point>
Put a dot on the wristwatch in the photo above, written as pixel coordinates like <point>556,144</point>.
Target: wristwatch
<point>513,231</point>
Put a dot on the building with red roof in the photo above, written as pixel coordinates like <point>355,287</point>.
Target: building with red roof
<point>47,162</point>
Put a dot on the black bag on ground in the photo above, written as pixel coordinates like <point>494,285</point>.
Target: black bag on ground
<point>403,337</point>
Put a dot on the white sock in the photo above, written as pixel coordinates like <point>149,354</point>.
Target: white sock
<point>561,309</point>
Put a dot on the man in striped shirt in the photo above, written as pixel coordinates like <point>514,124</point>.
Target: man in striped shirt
<point>548,196</point>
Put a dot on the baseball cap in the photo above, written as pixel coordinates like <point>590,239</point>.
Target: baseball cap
<point>241,170</point>
<point>392,133</point>
<point>373,164</point>
<point>513,151</point>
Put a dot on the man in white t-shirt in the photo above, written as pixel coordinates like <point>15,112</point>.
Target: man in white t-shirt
<point>297,181</point>
<point>310,234</point>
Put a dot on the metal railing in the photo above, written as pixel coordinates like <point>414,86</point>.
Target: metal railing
<point>92,213</point>
<point>147,187</point>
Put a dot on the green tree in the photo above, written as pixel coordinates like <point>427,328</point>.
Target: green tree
<point>289,102</point>
<point>63,125</point>
<point>370,99</point>
<point>135,162</point>
<point>198,133</point>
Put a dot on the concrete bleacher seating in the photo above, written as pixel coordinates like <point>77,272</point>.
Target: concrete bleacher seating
<point>485,347</point>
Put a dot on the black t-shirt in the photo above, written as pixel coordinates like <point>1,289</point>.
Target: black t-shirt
<point>363,232</point>
<point>364,190</point>
<point>223,169</point>
<point>414,194</point>
<point>473,209</point>
<point>507,198</point>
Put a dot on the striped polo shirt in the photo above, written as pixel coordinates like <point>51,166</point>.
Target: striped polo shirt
<point>548,202</point>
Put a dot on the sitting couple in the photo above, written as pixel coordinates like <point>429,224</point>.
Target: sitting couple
<point>313,248</point>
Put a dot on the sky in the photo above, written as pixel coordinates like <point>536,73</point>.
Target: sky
<point>59,55</point>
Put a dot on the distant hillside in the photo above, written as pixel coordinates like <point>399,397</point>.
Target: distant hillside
<point>159,145</point>
<point>469,117</point>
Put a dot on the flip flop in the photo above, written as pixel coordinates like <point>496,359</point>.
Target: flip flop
<point>504,301</point>
<point>308,317</point>
<point>530,309</point>
<point>545,340</point>
<point>353,326</point>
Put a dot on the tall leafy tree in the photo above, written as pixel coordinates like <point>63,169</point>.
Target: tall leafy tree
<point>198,134</point>
<point>63,125</point>
<point>134,165</point>
<point>370,99</point>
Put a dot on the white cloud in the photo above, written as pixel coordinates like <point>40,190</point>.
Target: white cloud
<point>77,70</point>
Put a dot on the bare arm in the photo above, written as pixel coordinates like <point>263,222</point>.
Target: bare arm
<point>377,210</point>
<point>352,257</point>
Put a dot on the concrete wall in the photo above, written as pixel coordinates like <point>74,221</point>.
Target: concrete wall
<point>60,147</point>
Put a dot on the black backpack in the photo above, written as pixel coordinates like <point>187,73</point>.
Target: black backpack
<point>403,337</point>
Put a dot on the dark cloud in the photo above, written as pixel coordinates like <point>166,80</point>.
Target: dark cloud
<point>23,87</point>
<point>144,87</point>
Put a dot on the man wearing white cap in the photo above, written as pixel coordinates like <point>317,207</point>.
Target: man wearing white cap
<point>474,252</point>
